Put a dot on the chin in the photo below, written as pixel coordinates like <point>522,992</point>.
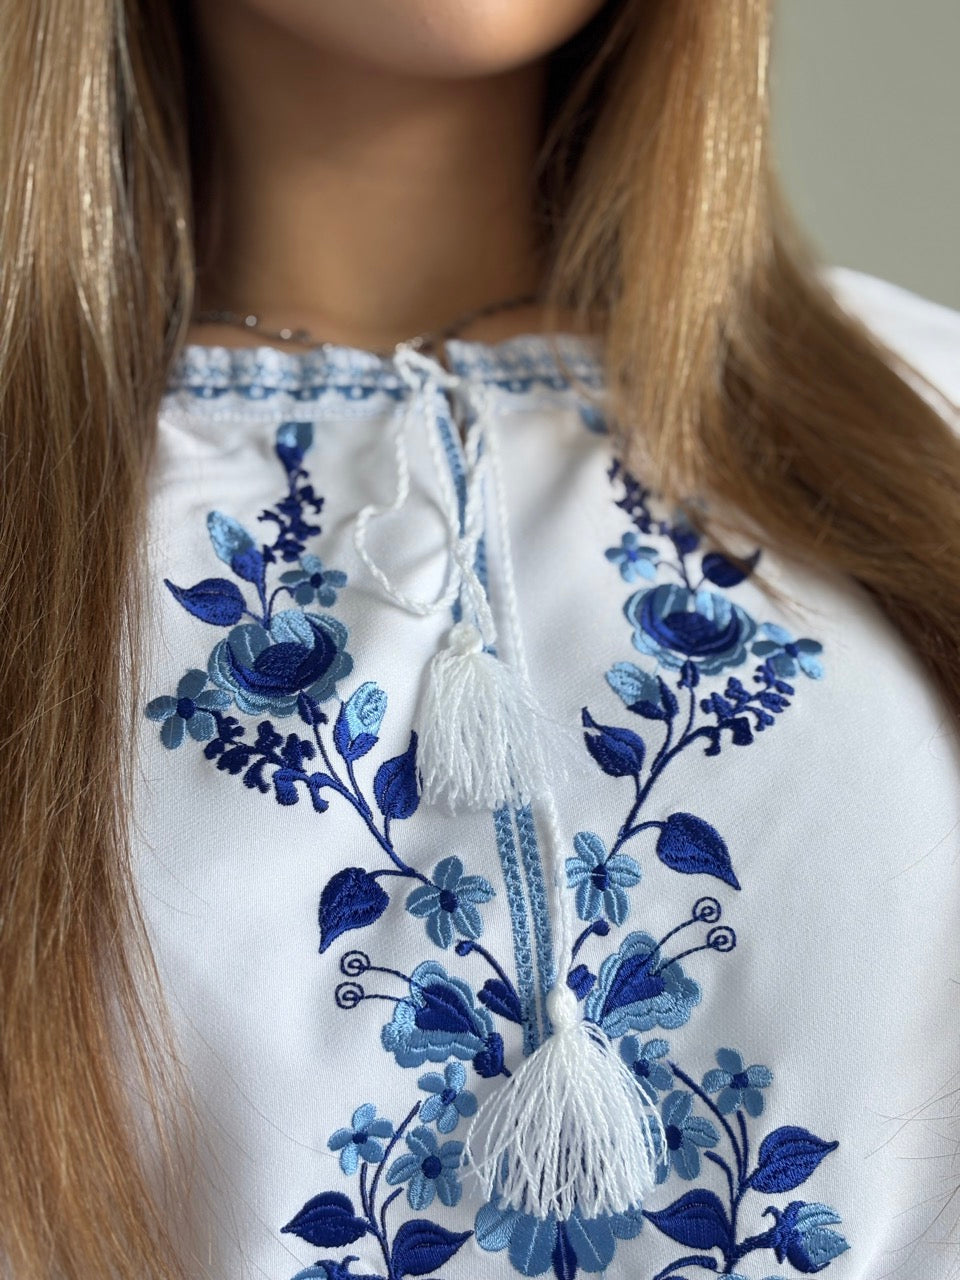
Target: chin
<point>433,38</point>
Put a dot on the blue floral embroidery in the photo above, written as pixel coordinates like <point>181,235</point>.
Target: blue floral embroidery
<point>785,654</point>
<point>283,663</point>
<point>429,1169</point>
<point>189,712</point>
<point>601,880</point>
<point>738,1086</point>
<point>653,1074</point>
<point>685,1135</point>
<point>448,1100</point>
<point>360,1141</point>
<point>449,903</point>
<point>633,560</point>
<point>312,584</point>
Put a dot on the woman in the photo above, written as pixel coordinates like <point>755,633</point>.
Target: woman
<point>474,807</point>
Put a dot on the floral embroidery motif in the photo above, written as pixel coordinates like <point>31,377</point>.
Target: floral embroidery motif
<point>285,664</point>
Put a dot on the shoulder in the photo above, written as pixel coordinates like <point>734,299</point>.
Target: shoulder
<point>924,333</point>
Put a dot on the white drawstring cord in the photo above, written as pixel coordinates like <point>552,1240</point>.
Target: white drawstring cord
<point>423,376</point>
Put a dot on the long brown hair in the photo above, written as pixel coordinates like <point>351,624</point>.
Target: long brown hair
<point>732,372</point>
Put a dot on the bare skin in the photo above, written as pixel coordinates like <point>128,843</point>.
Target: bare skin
<point>377,161</point>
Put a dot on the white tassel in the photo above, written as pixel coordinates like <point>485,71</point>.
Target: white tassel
<point>571,1129</point>
<point>483,738</point>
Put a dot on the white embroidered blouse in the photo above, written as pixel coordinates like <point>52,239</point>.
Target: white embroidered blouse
<point>761,838</point>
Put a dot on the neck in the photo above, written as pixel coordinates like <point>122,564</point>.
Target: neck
<point>361,205</point>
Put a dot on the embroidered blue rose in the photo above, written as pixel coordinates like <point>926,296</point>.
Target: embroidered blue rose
<point>189,712</point>
<point>802,1236</point>
<point>633,560</point>
<point>359,1142</point>
<point>674,624</point>
<point>441,1019</point>
<point>310,583</point>
<point>738,1086</point>
<point>448,1100</point>
<point>428,1170</point>
<point>449,903</point>
<point>786,654</point>
<point>540,1245</point>
<point>601,880</point>
<point>266,671</point>
<point>637,989</point>
<point>685,1134</point>
<point>654,1076</point>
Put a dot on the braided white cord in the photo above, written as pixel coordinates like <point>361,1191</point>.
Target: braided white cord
<point>461,549</point>
<point>562,922</point>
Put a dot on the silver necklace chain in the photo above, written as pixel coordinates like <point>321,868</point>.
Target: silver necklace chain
<point>425,342</point>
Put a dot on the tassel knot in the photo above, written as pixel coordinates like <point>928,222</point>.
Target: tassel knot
<point>483,737</point>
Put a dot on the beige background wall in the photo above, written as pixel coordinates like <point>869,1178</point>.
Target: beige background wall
<point>866,121</point>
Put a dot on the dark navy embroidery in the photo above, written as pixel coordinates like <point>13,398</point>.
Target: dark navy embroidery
<point>283,659</point>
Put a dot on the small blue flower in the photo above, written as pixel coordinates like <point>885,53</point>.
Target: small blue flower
<point>685,1134</point>
<point>736,1085</point>
<point>448,1100</point>
<point>310,583</point>
<point>653,1075</point>
<point>786,654</point>
<point>449,903</point>
<point>633,560</point>
<point>359,1142</point>
<point>189,712</point>
<point>428,1170</point>
<point>600,879</point>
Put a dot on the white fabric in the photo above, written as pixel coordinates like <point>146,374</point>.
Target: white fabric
<point>832,969</point>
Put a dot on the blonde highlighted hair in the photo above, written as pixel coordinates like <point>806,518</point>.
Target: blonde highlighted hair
<point>732,371</point>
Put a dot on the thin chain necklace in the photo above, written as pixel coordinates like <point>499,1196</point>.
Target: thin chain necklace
<point>426,342</point>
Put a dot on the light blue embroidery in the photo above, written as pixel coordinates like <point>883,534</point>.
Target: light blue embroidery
<point>281,658</point>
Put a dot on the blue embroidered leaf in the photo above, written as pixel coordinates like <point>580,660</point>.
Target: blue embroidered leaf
<point>421,1246</point>
<point>723,572</point>
<point>502,999</point>
<point>248,565</point>
<point>618,752</point>
<point>328,1221</point>
<point>395,784</point>
<point>227,535</point>
<point>690,845</point>
<point>352,899</point>
<point>214,600</point>
<point>696,1220</point>
<point>788,1156</point>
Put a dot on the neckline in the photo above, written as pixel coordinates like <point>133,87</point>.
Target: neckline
<point>210,372</point>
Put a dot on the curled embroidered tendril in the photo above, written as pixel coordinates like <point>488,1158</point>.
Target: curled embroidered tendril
<point>354,963</point>
<point>722,938</point>
<point>707,910</point>
<point>348,995</point>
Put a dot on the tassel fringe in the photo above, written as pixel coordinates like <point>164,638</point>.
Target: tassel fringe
<point>483,738</point>
<point>571,1129</point>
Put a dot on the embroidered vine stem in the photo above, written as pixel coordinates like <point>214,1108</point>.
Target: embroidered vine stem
<point>378,1228</point>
